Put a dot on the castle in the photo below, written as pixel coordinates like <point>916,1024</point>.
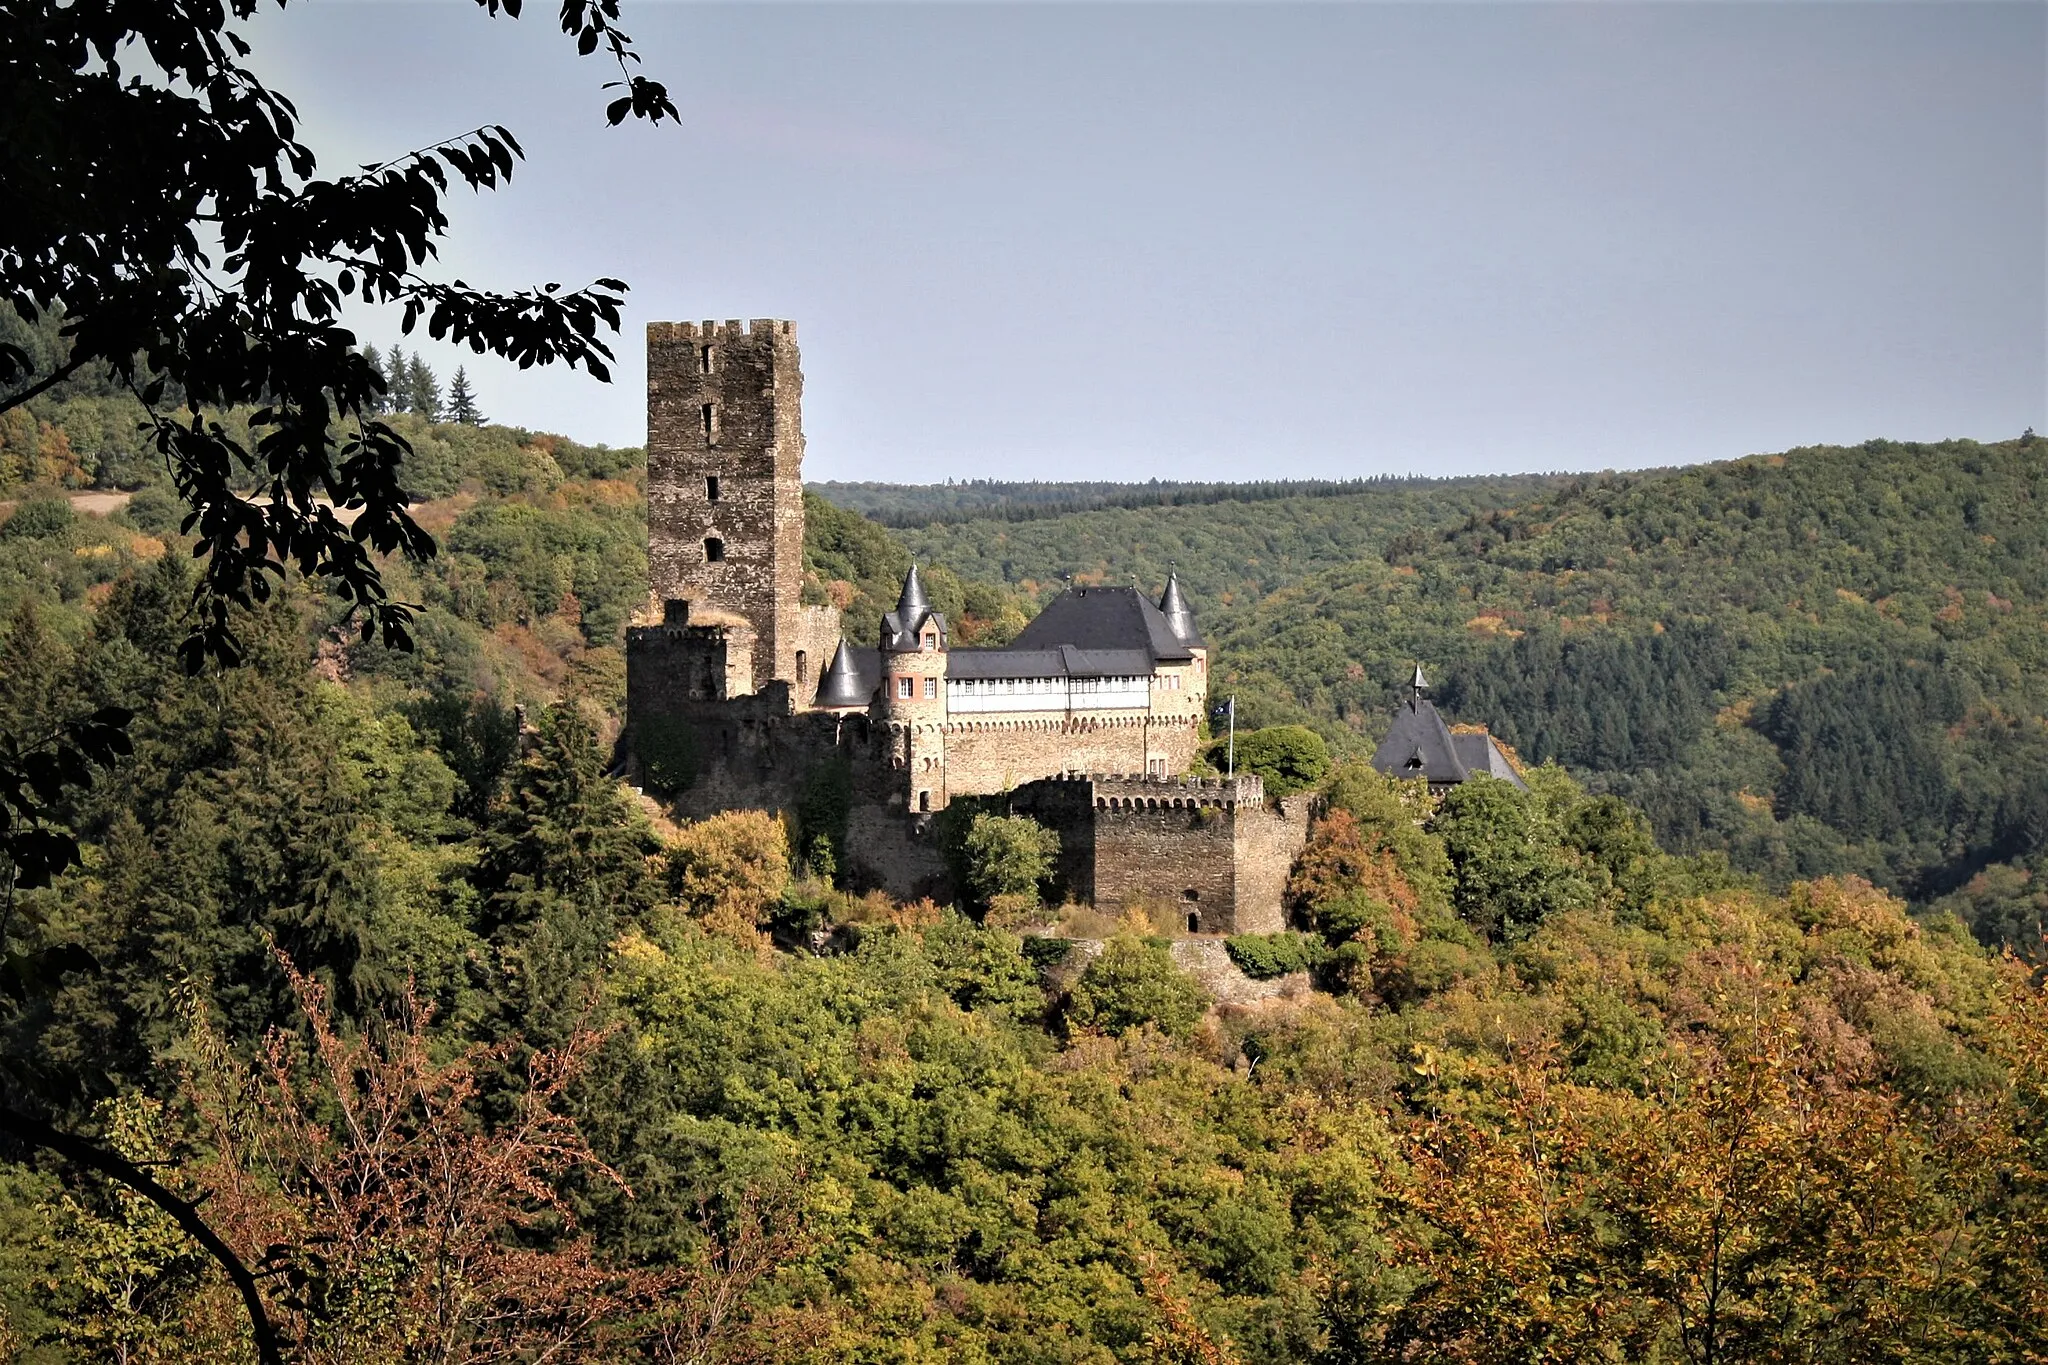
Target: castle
<point>747,698</point>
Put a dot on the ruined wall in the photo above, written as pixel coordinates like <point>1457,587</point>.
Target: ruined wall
<point>678,663</point>
<point>724,403</point>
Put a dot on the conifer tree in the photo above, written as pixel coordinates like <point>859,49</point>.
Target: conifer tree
<point>462,402</point>
<point>562,867</point>
<point>422,390</point>
<point>378,402</point>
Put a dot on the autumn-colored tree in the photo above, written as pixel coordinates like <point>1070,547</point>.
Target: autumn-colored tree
<point>1340,861</point>
<point>726,871</point>
<point>394,1227</point>
<point>1754,1205</point>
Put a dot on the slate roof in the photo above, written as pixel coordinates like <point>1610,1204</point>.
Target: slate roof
<point>1180,618</point>
<point>901,627</point>
<point>1421,745</point>
<point>851,678</point>
<point>1105,618</point>
<point>1481,754</point>
<point>1066,661</point>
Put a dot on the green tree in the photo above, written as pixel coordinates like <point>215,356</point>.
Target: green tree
<point>1007,855</point>
<point>1290,758</point>
<point>422,389</point>
<point>1135,982</point>
<point>462,402</point>
<point>1508,872</point>
<point>564,868</point>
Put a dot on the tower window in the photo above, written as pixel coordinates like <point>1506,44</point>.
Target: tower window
<point>710,411</point>
<point>714,550</point>
<point>706,359</point>
<point>924,801</point>
<point>903,686</point>
<point>711,489</point>
<point>802,664</point>
<point>931,689</point>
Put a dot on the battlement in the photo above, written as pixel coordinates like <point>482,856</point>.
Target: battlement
<point>716,331</point>
<point>1138,791</point>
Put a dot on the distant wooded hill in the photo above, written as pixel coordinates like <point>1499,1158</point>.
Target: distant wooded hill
<point>902,505</point>
<point>1229,550</point>
<point>1827,660</point>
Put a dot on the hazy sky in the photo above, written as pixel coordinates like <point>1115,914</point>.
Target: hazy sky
<point>1254,241</point>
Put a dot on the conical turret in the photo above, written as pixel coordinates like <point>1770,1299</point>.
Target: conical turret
<point>912,603</point>
<point>841,687</point>
<point>913,625</point>
<point>1180,618</point>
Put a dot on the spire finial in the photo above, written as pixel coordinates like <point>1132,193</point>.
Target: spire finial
<point>1419,683</point>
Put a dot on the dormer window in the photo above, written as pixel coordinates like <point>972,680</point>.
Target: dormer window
<point>931,639</point>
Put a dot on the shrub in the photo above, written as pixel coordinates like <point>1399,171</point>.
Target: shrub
<point>1006,856</point>
<point>1134,983</point>
<point>1265,956</point>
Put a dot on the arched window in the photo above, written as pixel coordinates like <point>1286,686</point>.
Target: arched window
<point>714,550</point>
<point>803,669</point>
<point>1194,921</point>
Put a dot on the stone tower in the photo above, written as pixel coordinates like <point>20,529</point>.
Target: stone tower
<point>725,502</point>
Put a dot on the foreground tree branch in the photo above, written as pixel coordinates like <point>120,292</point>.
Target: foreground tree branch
<point>185,1212</point>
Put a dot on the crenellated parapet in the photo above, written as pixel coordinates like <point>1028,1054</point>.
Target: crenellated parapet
<point>1138,791</point>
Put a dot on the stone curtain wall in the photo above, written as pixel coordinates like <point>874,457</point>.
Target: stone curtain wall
<point>1177,858</point>
<point>753,444</point>
<point>1134,841</point>
<point>1267,842</point>
<point>988,756</point>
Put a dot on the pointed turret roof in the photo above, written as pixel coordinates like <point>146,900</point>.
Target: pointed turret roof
<point>1420,683</point>
<point>911,600</point>
<point>1180,618</point>
<point>842,684</point>
<point>900,627</point>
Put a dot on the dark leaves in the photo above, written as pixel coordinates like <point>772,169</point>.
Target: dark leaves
<point>108,189</point>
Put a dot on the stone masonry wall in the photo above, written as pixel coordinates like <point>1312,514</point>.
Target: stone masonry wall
<point>1267,841</point>
<point>736,417</point>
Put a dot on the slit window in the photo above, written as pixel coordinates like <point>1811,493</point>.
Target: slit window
<point>707,359</point>
<point>711,488</point>
<point>803,662</point>
<point>710,412</point>
<point>714,550</point>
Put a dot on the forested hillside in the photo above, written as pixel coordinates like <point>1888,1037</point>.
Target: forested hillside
<point>459,1038</point>
<point>1827,660</point>
<point>1229,551</point>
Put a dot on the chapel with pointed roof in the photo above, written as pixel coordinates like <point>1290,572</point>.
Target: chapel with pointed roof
<point>1421,745</point>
